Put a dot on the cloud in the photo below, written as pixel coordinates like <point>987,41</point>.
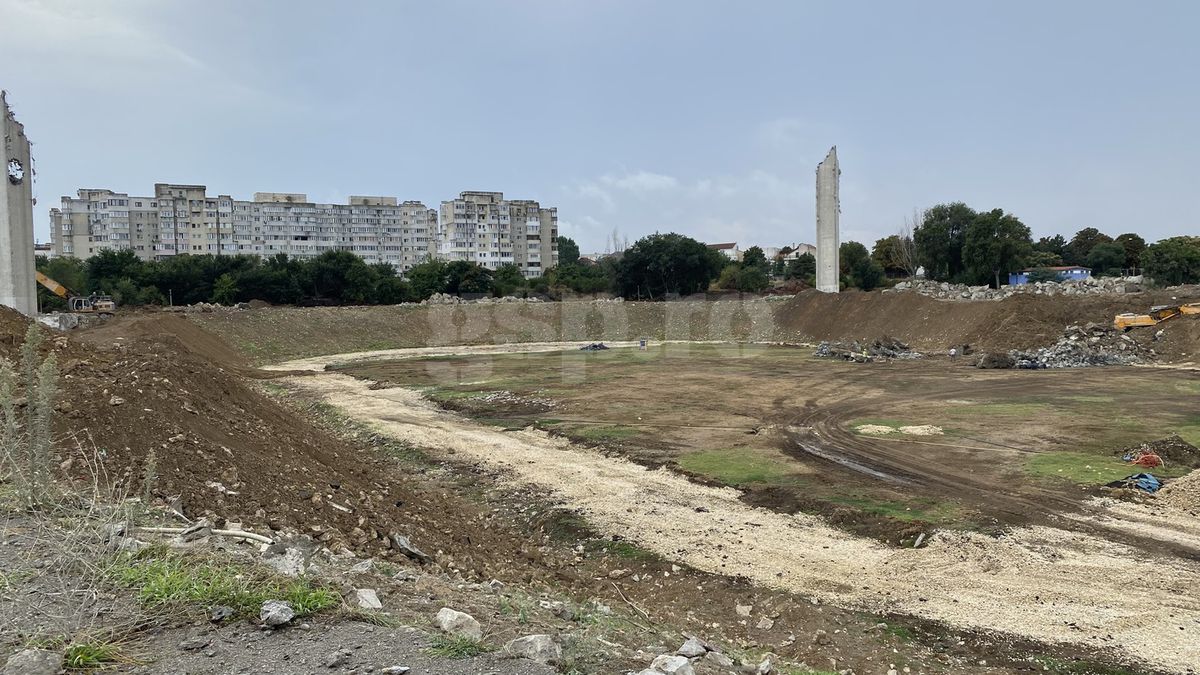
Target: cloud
<point>641,182</point>
<point>104,35</point>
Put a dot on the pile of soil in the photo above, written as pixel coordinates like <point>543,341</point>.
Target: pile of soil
<point>1182,493</point>
<point>1173,450</point>
<point>883,348</point>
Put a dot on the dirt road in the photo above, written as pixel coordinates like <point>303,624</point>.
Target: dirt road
<point>1040,582</point>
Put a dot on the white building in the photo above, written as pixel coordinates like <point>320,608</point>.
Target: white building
<point>487,229</point>
<point>181,219</point>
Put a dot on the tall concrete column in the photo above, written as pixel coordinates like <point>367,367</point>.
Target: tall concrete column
<point>17,287</point>
<point>828,210</point>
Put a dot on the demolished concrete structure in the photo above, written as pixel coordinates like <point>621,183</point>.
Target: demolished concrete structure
<point>17,289</point>
<point>828,209</point>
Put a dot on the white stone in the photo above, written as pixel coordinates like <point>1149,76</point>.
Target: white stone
<point>459,623</point>
<point>692,648</point>
<point>669,664</point>
<point>276,613</point>
<point>540,648</point>
<point>367,598</point>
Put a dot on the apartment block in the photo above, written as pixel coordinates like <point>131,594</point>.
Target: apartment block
<point>487,229</point>
<point>182,219</point>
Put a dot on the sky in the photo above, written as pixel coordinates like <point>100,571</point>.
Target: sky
<point>706,118</point>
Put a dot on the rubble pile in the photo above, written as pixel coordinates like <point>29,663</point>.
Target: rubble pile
<point>448,299</point>
<point>1093,344</point>
<point>1092,286</point>
<point>881,349</point>
<point>206,308</point>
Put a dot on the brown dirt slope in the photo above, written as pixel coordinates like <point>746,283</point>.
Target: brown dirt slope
<point>1025,322</point>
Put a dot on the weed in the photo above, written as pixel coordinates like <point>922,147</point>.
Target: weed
<point>623,549</point>
<point>93,654</point>
<point>739,466</point>
<point>1090,469</point>
<point>163,578</point>
<point>456,647</point>
<point>605,433</point>
<point>924,510</point>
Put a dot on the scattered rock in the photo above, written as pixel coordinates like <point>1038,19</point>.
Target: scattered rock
<point>822,638</point>
<point>395,670</point>
<point>718,659</point>
<point>996,360</point>
<point>743,610</point>
<point>291,563</point>
<point>670,664</point>
<point>459,623</point>
<point>198,530</point>
<point>337,660</point>
<point>363,567</point>
<point>766,623</point>
<point>276,613</point>
<point>33,662</point>
<point>404,546</point>
<point>367,598</point>
<point>540,648</point>
<point>692,648</point>
<point>220,613</point>
<point>195,643</point>
<point>116,400</point>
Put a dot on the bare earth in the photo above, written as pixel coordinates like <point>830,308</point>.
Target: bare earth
<point>1038,581</point>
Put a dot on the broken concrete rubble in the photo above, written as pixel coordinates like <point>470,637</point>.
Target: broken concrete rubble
<point>882,348</point>
<point>1092,286</point>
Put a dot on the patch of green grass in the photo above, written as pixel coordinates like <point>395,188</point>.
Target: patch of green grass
<point>514,608</point>
<point>1005,409</point>
<point>1089,399</point>
<point>94,655</point>
<point>456,647</point>
<point>1190,430</point>
<point>1081,467</point>
<point>162,578</point>
<point>623,549</point>
<point>1188,387</point>
<point>924,510</point>
<point>604,433</point>
<point>738,466</point>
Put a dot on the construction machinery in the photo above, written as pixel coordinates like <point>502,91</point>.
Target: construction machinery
<point>1155,316</point>
<point>103,305</point>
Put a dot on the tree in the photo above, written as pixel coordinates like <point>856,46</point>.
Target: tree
<point>568,251</point>
<point>801,267</point>
<point>666,263</point>
<point>1035,259</point>
<point>1106,258</point>
<point>859,269</point>
<point>995,242</point>
<point>1134,246</point>
<point>778,267</point>
<point>1081,244</point>
<point>225,290</point>
<point>1173,261</point>
<point>939,239</point>
<point>467,277</point>
<point>340,277</point>
<point>1056,245</point>
<point>889,253</point>
<point>754,256</point>
<point>508,279</point>
<point>427,278</point>
<point>753,279</point>
<point>70,272</point>
<point>1042,274</point>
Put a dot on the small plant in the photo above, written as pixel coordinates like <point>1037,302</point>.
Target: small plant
<point>149,476</point>
<point>25,440</point>
<point>93,654</point>
<point>456,647</point>
<point>162,579</point>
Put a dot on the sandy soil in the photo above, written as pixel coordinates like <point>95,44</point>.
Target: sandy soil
<point>1040,582</point>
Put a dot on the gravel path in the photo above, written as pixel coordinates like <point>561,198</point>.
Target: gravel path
<point>1040,582</point>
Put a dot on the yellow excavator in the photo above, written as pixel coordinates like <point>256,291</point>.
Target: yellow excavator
<point>103,305</point>
<point>1155,316</point>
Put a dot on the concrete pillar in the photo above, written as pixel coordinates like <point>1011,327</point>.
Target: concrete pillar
<point>17,286</point>
<point>828,210</point>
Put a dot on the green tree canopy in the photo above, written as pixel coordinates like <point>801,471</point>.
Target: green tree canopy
<point>996,243</point>
<point>1134,245</point>
<point>1173,261</point>
<point>801,267</point>
<point>1081,244</point>
<point>1056,245</point>
<point>1106,258</point>
<point>666,263</point>
<point>467,277</point>
<point>940,237</point>
<point>568,251</point>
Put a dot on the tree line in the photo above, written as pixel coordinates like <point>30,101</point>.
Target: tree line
<point>952,242</point>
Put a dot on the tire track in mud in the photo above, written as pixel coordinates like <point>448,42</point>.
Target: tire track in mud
<point>1039,582</point>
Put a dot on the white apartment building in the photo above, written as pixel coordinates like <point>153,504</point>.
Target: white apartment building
<point>181,219</point>
<point>487,229</point>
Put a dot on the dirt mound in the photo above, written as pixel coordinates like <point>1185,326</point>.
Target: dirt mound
<point>883,348</point>
<point>1021,322</point>
<point>13,325</point>
<point>1183,493</point>
<point>1173,450</point>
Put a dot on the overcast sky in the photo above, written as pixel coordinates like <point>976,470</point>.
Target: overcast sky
<point>706,118</point>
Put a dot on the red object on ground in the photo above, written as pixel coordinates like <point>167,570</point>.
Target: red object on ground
<point>1148,459</point>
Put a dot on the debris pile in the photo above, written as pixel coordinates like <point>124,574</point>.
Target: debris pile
<point>594,347</point>
<point>881,349</point>
<point>1081,346</point>
<point>448,299</point>
<point>1092,286</point>
<point>207,308</point>
<point>1171,451</point>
